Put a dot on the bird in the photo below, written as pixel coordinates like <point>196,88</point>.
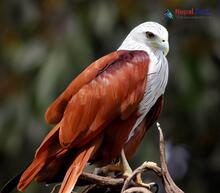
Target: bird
<point>103,114</point>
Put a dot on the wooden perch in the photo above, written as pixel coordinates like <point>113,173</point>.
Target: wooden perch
<point>169,185</point>
<point>137,189</point>
<point>101,184</point>
<point>88,178</point>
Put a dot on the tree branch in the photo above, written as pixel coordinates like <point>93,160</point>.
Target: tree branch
<point>169,185</point>
<point>88,178</point>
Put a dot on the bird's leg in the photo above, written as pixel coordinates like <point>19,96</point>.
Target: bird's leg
<point>121,166</point>
<point>125,167</point>
<point>127,171</point>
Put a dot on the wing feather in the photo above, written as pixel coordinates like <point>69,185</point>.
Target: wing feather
<point>116,91</point>
<point>55,111</point>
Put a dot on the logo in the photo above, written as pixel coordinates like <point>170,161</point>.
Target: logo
<point>192,13</point>
<point>168,14</point>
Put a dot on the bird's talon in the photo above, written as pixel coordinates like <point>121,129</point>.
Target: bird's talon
<point>103,171</point>
<point>150,186</point>
<point>140,182</point>
<point>154,187</point>
<point>126,174</point>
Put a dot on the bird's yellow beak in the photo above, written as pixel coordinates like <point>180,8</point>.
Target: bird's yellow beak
<point>165,47</point>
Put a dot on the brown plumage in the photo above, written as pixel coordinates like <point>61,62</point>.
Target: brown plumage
<point>105,110</point>
<point>98,105</point>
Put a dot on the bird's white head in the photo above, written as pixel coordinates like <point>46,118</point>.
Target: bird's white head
<point>148,36</point>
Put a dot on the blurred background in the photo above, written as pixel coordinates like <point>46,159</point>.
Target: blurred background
<point>44,44</point>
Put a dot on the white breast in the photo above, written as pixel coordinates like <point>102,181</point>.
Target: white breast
<point>155,87</point>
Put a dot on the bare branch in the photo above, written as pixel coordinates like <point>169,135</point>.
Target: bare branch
<point>169,185</point>
<point>88,178</point>
<point>137,190</point>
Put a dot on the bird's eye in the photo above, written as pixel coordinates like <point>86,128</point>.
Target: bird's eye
<point>150,35</point>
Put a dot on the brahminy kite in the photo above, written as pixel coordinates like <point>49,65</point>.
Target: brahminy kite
<point>104,112</point>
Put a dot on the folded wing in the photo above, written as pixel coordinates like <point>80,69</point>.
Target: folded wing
<point>55,111</point>
<point>116,90</point>
<point>110,88</point>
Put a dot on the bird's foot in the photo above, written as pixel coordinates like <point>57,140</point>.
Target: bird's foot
<point>122,166</point>
<point>125,167</point>
<point>150,186</point>
<point>108,169</point>
<point>127,171</point>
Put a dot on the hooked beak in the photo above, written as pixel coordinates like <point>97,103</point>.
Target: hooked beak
<point>165,47</point>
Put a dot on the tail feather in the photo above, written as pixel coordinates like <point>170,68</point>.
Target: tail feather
<point>52,137</point>
<point>50,155</point>
<point>77,167</point>
<point>30,173</point>
<point>49,148</point>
